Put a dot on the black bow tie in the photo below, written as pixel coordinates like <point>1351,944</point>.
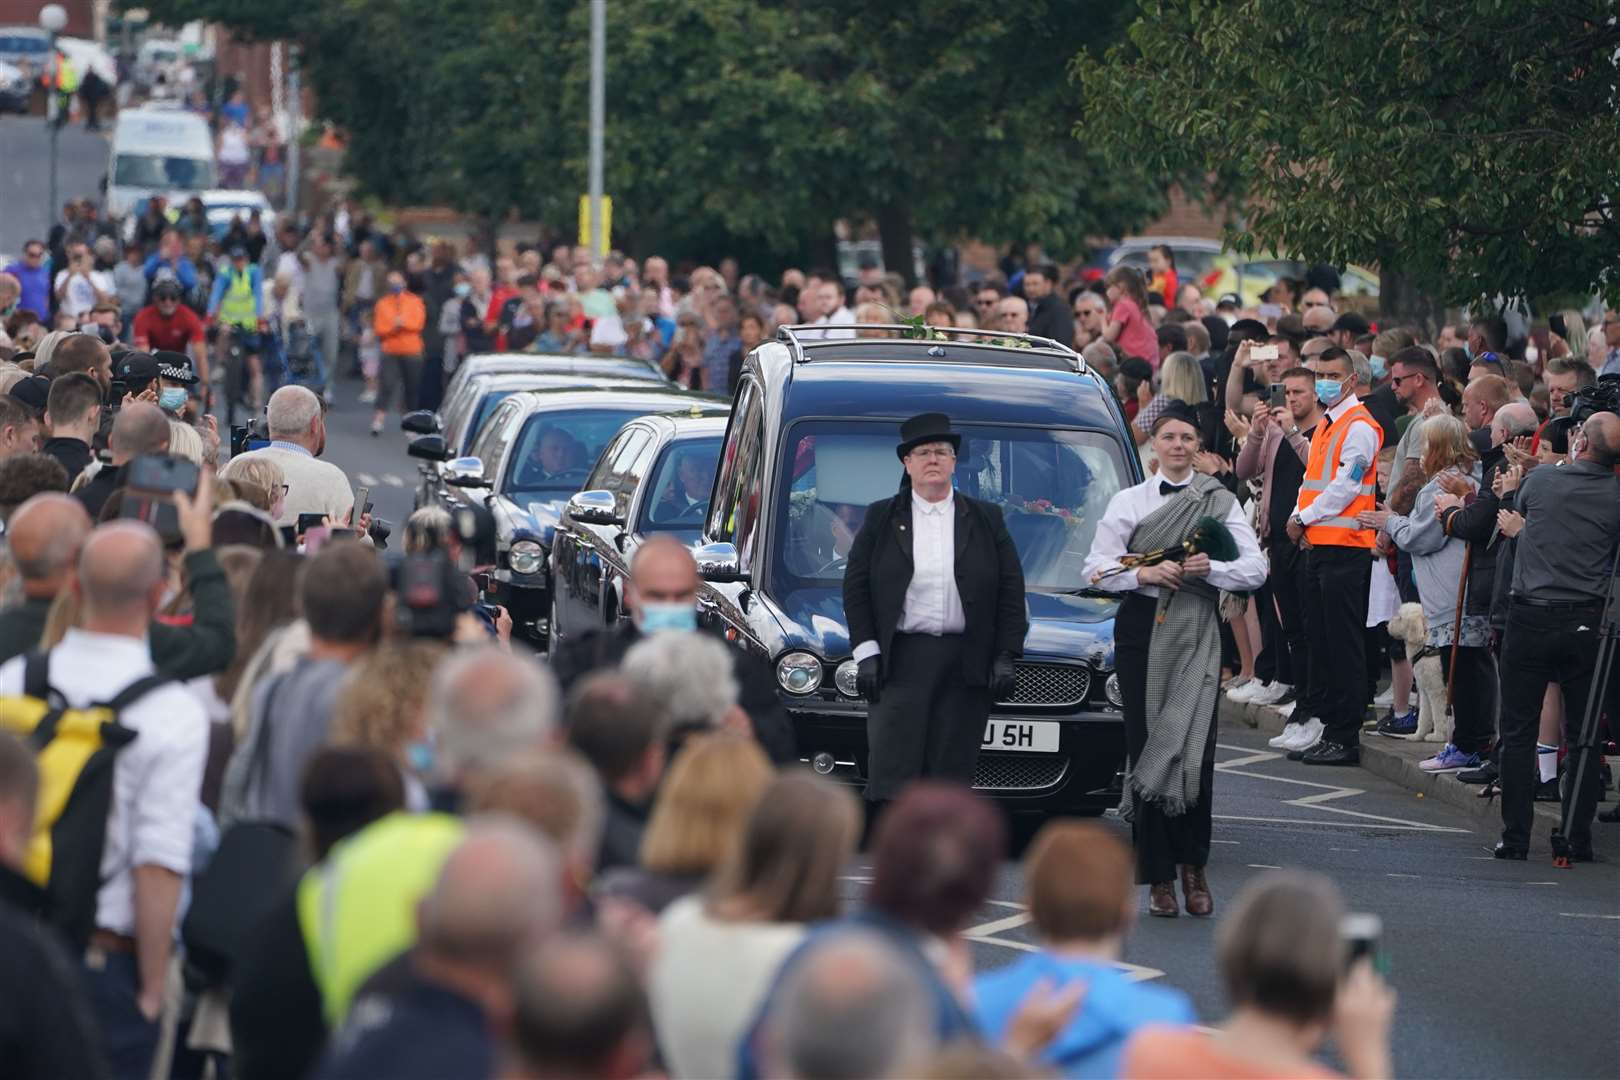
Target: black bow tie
<point>1167,488</point>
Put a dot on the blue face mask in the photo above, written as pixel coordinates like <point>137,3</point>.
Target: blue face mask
<point>1327,390</point>
<point>463,288</point>
<point>655,618</point>
<point>420,755</point>
<point>1378,366</point>
<point>172,398</point>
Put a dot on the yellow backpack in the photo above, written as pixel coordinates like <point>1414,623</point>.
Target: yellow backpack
<point>75,750</point>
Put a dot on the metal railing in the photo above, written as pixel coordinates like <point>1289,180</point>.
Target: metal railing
<point>797,339</point>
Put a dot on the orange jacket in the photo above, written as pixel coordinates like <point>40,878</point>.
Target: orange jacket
<point>398,319</point>
<point>1326,445</point>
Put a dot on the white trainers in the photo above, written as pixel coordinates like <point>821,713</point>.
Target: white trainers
<point>1308,735</point>
<point>1280,742</point>
<point>1288,709</point>
<point>1270,694</point>
<point>1385,698</point>
<point>1245,693</point>
<point>1235,683</point>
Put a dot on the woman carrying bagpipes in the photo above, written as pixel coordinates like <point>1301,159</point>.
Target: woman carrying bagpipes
<point>1176,545</point>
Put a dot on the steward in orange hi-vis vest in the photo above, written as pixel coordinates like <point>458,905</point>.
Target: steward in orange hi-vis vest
<point>1327,445</point>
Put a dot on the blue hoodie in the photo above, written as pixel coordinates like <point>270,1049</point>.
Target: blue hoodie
<point>1112,1010</point>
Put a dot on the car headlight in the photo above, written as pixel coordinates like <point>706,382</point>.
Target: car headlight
<point>799,673</point>
<point>1116,696</point>
<point>844,678</point>
<point>527,557</point>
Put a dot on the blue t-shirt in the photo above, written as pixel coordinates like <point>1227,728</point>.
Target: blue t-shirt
<point>1111,1011</point>
<point>420,1032</point>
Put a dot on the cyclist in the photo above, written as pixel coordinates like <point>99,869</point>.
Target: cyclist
<point>237,307</point>
<point>167,324</point>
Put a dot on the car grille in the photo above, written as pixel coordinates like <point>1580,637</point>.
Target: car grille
<point>1019,772</point>
<point>1050,684</point>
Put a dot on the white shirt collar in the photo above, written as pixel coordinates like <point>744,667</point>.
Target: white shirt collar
<point>1349,402</point>
<point>922,505</point>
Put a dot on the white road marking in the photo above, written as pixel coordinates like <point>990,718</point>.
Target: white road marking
<point>1330,824</point>
<point>393,481</point>
<point>1249,759</point>
<point>366,479</point>
<point>1234,843</point>
<point>1263,866</point>
<point>996,926</point>
<point>1330,792</point>
<point>1413,876</point>
<point>1541,883</point>
<point>1585,915</point>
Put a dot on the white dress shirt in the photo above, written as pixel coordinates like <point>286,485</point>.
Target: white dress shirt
<point>832,326</point>
<point>157,778</point>
<point>1355,461</point>
<point>1127,509</point>
<point>932,605</point>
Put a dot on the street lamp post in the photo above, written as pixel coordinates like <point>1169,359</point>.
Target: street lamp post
<point>52,18</point>
<point>598,118</point>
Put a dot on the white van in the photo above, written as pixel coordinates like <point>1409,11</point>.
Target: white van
<point>158,151</point>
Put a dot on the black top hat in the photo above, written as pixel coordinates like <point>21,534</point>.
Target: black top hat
<point>926,428</point>
<point>176,367</point>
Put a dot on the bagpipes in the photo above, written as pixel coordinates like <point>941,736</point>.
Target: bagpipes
<point>1209,536</point>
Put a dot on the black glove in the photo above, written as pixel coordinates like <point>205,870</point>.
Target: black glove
<point>1003,678</point>
<point>869,679</point>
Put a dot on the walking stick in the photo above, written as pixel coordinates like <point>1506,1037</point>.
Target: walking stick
<point>1456,636</point>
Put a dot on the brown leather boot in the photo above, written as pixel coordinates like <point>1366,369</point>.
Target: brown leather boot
<point>1195,890</point>
<point>1162,900</point>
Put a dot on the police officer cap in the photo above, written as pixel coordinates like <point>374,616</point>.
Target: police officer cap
<point>176,367</point>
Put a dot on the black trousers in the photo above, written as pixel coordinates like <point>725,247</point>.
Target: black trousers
<point>1335,602</point>
<point>1541,646</point>
<point>1162,842</point>
<point>1473,696</point>
<point>929,722</point>
<point>1271,662</point>
<point>1287,585</point>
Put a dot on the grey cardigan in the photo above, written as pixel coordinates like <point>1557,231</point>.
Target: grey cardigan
<point>1437,559</point>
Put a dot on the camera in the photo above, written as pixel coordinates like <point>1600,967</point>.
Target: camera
<point>1601,396</point>
<point>254,435</point>
<point>432,594</point>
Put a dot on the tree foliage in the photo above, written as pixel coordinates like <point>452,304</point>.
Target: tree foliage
<point>753,123</point>
<point>1467,143</point>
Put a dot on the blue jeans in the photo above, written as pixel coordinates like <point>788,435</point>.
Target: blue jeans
<point>128,1039</point>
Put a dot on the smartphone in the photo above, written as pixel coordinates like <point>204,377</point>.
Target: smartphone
<point>1263,352</point>
<point>163,473</point>
<point>116,392</point>
<point>306,522</point>
<point>1363,933</point>
<point>360,505</point>
<point>1271,311</point>
<point>1279,396</point>
<point>316,538</point>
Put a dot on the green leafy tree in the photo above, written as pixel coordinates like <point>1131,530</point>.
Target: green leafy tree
<point>733,125</point>
<point>1465,145</point>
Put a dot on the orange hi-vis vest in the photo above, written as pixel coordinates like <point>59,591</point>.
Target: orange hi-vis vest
<point>1326,445</point>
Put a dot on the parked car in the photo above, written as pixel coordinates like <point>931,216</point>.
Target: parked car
<point>535,451</point>
<point>654,477</point>
<point>26,47</point>
<point>1216,270</point>
<point>223,205</point>
<point>16,90</point>
<point>810,445</point>
<point>550,364</point>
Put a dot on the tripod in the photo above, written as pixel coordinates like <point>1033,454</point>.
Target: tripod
<point>1602,669</point>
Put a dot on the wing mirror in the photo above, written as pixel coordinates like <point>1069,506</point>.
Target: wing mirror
<point>430,447</point>
<point>420,422</point>
<point>595,508</point>
<point>463,472</point>
<point>719,562</point>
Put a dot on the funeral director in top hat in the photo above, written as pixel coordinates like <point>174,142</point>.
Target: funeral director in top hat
<point>934,595</point>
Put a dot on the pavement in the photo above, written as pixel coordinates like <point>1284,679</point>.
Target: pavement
<point>25,197</point>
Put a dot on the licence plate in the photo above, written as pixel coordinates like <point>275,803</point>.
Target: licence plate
<point>1040,736</point>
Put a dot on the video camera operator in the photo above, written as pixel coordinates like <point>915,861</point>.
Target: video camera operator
<point>1561,577</point>
<point>437,595</point>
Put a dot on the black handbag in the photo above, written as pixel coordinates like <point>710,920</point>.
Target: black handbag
<point>256,865</point>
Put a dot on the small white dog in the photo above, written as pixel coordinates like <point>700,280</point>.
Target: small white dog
<point>1433,724</point>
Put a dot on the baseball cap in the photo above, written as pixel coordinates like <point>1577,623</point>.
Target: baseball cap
<point>238,251</point>
<point>1352,322</point>
<point>136,368</point>
<point>33,392</point>
<point>175,366</point>
<point>1231,300</point>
